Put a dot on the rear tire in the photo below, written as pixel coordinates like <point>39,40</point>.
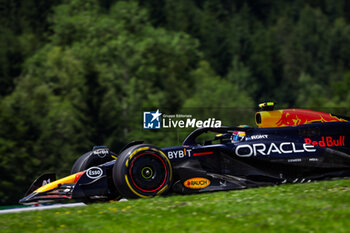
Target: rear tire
<point>142,171</point>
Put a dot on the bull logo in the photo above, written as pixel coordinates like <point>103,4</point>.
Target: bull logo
<point>293,117</point>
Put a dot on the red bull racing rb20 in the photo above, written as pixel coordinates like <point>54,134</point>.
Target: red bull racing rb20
<point>289,146</point>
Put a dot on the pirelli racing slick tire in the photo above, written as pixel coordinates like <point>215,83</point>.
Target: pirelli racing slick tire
<point>142,171</point>
<point>98,155</point>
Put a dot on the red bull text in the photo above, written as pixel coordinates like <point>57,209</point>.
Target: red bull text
<point>327,141</point>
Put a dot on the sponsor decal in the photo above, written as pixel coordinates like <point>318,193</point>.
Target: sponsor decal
<point>151,120</point>
<point>247,150</point>
<point>222,183</point>
<point>101,152</point>
<point>294,160</point>
<point>259,136</point>
<point>327,141</point>
<point>179,154</point>
<point>45,182</point>
<point>197,183</point>
<point>94,172</point>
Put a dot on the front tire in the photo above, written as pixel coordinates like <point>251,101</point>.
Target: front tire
<point>142,171</point>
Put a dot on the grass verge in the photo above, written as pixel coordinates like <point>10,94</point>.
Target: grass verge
<point>312,207</point>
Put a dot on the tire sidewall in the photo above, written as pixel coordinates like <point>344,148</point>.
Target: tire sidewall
<point>121,172</point>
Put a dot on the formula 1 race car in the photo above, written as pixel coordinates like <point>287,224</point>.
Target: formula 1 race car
<point>290,146</point>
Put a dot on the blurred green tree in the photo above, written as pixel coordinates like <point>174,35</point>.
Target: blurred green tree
<point>78,73</point>
<point>86,86</point>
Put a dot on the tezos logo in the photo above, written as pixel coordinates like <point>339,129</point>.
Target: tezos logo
<point>197,183</point>
<point>94,172</point>
<point>151,120</point>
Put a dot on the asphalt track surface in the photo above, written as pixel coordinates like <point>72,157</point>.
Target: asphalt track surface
<point>45,207</point>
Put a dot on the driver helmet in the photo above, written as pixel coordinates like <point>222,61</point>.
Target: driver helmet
<point>237,136</point>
